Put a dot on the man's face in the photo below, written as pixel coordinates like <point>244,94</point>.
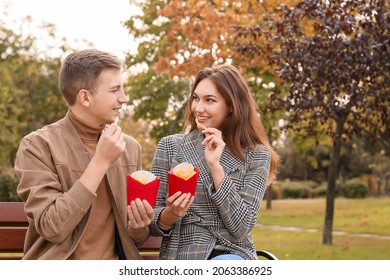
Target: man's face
<point>107,98</point>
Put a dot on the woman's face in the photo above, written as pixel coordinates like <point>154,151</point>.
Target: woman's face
<point>208,105</point>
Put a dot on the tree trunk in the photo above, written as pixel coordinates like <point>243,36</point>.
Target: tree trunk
<point>269,197</point>
<point>332,177</point>
<point>179,115</point>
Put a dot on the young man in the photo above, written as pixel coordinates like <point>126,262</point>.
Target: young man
<point>73,172</point>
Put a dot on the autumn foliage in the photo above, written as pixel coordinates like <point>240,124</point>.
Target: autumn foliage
<point>200,34</point>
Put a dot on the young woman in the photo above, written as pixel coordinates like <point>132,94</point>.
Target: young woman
<point>228,144</point>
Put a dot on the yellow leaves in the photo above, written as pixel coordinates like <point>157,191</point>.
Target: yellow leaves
<point>161,65</point>
<point>200,33</point>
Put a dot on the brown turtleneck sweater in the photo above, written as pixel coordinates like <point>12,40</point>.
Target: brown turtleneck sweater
<point>98,240</point>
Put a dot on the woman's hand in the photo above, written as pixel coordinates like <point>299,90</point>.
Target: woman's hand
<point>177,206</point>
<point>179,203</point>
<point>214,145</point>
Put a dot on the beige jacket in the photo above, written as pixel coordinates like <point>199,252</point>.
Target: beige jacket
<point>49,163</point>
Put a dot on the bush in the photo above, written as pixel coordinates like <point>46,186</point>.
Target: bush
<point>321,190</point>
<point>296,192</point>
<point>295,189</point>
<point>8,184</point>
<point>276,191</point>
<point>352,189</point>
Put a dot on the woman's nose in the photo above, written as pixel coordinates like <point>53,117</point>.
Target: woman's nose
<point>199,107</point>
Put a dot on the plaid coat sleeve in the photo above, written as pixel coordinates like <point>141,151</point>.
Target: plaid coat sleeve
<point>239,197</point>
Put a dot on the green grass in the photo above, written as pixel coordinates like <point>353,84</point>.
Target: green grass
<point>353,216</point>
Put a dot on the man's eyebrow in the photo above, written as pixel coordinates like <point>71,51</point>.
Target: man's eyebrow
<point>115,87</point>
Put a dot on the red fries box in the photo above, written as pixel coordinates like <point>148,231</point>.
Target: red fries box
<point>184,178</point>
<point>142,184</point>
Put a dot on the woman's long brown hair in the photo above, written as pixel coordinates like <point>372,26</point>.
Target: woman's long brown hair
<point>243,127</point>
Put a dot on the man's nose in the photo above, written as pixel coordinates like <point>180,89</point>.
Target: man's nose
<point>123,98</point>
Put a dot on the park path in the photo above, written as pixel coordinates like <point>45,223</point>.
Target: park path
<point>301,229</point>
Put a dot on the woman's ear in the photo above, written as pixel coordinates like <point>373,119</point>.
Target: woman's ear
<point>84,97</point>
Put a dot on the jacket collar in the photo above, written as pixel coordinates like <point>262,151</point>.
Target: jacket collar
<point>70,133</point>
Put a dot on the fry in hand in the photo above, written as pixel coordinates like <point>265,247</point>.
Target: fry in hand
<point>201,126</point>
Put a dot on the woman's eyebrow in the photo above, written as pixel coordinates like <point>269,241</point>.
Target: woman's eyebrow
<point>207,95</point>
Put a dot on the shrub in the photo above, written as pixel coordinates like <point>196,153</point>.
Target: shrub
<point>352,189</point>
<point>276,191</point>
<point>8,184</point>
<point>294,192</point>
<point>320,191</point>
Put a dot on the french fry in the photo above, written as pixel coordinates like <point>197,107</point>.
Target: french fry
<point>183,177</point>
<point>184,170</point>
<point>201,126</point>
<point>143,176</point>
<point>144,185</point>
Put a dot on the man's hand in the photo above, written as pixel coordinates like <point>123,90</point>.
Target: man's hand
<point>140,214</point>
<point>111,144</point>
<point>109,148</point>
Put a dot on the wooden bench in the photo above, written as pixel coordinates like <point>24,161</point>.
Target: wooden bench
<point>13,227</point>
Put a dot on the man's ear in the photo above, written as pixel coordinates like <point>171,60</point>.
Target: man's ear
<point>84,97</point>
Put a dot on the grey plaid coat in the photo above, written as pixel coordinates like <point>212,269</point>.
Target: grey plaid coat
<point>219,220</point>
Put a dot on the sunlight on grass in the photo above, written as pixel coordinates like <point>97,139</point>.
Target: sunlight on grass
<point>352,216</point>
<point>308,246</point>
<point>368,215</point>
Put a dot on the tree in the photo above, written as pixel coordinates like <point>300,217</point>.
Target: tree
<point>177,38</point>
<point>29,93</point>
<point>338,73</point>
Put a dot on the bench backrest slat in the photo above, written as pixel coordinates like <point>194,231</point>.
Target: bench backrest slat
<point>12,239</point>
<point>12,213</point>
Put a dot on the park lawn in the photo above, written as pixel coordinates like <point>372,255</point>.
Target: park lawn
<point>369,215</point>
<point>352,216</point>
<point>289,245</point>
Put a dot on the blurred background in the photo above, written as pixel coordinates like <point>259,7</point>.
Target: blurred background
<point>319,71</point>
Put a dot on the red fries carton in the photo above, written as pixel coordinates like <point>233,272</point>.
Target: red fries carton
<point>144,185</point>
<point>184,178</point>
